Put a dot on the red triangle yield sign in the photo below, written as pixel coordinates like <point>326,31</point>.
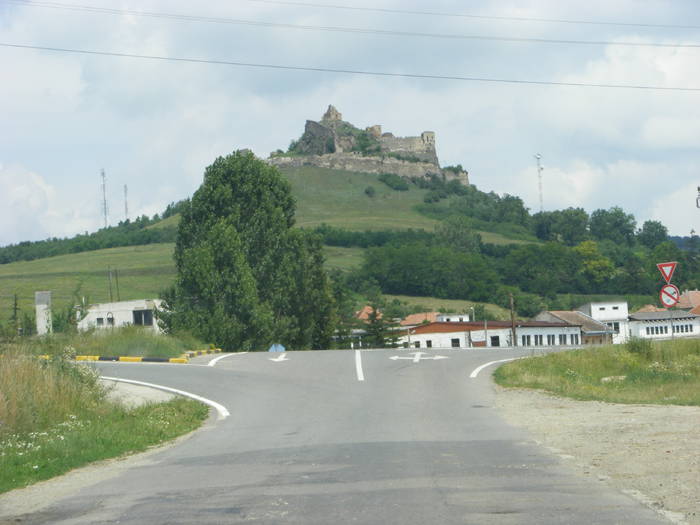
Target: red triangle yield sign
<point>667,270</point>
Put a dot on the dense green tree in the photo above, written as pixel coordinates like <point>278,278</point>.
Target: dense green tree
<point>456,231</point>
<point>613,224</point>
<point>652,234</point>
<point>245,279</point>
<point>595,267</point>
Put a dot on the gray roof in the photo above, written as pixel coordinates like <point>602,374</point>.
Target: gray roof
<point>662,316</point>
<point>587,323</point>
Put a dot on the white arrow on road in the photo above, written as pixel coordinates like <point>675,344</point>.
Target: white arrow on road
<point>280,358</point>
<point>417,356</point>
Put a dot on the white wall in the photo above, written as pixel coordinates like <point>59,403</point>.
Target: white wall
<point>470,339</point>
<point>661,329</point>
<point>99,315</point>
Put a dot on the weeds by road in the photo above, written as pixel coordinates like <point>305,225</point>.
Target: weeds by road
<point>54,416</point>
<point>639,372</point>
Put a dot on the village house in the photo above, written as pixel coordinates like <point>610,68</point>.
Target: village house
<point>664,325</point>
<point>490,334</point>
<point>140,312</point>
<point>592,332</point>
<point>615,314</point>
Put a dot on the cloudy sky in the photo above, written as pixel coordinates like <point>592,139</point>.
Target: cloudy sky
<point>155,125</point>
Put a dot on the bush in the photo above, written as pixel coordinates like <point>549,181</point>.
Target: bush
<point>370,191</point>
<point>395,182</point>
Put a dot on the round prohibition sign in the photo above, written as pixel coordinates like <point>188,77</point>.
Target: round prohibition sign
<point>669,295</point>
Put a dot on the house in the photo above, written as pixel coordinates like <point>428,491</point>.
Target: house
<point>615,314</point>
<point>431,317</point>
<point>122,313</point>
<point>689,300</point>
<point>490,334</point>
<point>364,313</point>
<point>592,332</point>
<point>664,325</point>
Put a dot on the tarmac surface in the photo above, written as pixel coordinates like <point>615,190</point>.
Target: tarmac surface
<point>386,436</point>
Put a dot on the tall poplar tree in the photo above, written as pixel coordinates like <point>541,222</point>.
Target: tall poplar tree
<point>245,278</point>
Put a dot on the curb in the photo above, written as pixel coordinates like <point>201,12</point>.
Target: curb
<point>195,353</point>
<point>183,359</point>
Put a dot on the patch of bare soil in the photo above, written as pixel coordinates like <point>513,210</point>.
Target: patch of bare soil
<point>651,452</point>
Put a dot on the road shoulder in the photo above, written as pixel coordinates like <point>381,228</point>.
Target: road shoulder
<point>650,452</point>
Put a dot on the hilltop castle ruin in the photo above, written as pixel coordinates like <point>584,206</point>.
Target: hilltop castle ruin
<point>336,144</point>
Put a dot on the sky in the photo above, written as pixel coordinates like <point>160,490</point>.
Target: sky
<point>155,125</point>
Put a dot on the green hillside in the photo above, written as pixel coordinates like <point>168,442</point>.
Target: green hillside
<point>338,198</point>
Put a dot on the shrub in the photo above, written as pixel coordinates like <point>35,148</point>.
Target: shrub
<point>394,181</point>
<point>639,346</point>
<point>370,191</point>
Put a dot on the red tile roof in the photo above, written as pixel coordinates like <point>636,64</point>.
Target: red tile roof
<point>689,299</point>
<point>363,314</point>
<point>420,318</point>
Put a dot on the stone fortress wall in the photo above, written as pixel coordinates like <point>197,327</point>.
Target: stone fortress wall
<point>329,144</point>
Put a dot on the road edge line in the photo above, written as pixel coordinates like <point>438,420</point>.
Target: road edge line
<point>476,371</point>
<point>217,359</point>
<point>221,410</point>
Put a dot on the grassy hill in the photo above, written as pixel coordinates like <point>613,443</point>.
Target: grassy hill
<point>338,198</point>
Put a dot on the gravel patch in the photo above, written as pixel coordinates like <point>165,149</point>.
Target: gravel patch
<point>650,452</point>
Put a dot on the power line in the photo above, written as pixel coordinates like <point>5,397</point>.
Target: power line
<point>340,29</point>
<point>475,17</point>
<point>351,71</point>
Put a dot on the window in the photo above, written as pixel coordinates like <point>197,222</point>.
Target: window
<point>110,321</point>
<point>647,330</point>
<point>690,327</point>
<point>574,339</point>
<point>551,339</point>
<point>562,339</point>
<point>429,344</point>
<point>616,327</point>
<point>538,340</point>
<point>526,340</point>
<point>448,319</point>
<point>601,308</point>
<point>461,319</point>
<point>100,321</point>
<point>143,317</point>
<point>455,343</point>
<point>616,307</point>
<point>495,340</point>
<point>405,345</point>
<point>417,344</point>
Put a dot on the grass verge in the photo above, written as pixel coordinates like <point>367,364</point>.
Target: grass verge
<point>665,373</point>
<point>125,341</point>
<point>54,417</point>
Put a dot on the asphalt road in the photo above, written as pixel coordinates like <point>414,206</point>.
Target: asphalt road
<point>414,442</point>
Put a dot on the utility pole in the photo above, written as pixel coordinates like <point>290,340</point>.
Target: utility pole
<point>104,195</point>
<point>538,157</point>
<point>15,314</point>
<point>126,204</point>
<point>512,321</point>
<point>109,275</point>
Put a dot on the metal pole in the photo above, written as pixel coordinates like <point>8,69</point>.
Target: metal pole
<point>512,321</point>
<point>539,176</point>
<point>109,274</point>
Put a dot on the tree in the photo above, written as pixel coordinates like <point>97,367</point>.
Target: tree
<point>245,278</point>
<point>652,234</point>
<point>613,224</point>
<point>456,231</point>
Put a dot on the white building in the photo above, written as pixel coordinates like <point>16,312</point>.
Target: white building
<point>123,313</point>
<point>491,334</point>
<point>615,314</point>
<point>664,325</point>
<point>453,318</point>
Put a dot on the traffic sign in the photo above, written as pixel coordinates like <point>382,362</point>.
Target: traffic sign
<point>669,295</point>
<point>667,270</point>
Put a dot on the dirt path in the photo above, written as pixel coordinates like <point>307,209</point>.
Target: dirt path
<point>651,452</point>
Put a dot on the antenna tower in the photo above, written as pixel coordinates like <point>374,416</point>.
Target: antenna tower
<point>126,204</point>
<point>104,195</point>
<point>539,177</point>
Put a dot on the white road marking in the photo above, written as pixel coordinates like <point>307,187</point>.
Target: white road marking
<point>358,366</point>
<point>217,359</point>
<point>479,369</point>
<point>417,357</point>
<point>279,359</point>
<point>223,413</point>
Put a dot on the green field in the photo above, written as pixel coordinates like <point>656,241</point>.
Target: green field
<point>143,271</point>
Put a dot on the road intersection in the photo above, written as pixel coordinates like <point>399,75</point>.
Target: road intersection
<point>384,436</point>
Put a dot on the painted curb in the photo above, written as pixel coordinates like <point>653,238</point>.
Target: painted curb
<point>127,359</point>
<point>194,353</point>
